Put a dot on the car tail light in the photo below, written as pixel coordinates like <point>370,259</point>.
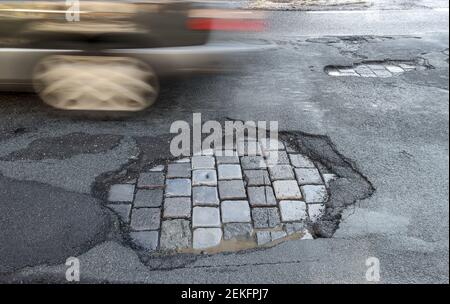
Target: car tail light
<point>226,20</point>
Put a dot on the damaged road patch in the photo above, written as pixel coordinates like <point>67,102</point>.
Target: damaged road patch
<point>213,203</point>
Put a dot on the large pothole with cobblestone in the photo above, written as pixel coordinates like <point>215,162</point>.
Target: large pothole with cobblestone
<point>254,195</point>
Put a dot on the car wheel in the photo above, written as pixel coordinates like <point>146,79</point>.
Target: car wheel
<point>95,83</point>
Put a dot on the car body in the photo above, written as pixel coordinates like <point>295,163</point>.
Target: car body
<point>170,37</point>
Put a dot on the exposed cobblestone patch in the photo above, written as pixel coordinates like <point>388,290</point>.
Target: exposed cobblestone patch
<point>376,69</point>
<point>202,202</point>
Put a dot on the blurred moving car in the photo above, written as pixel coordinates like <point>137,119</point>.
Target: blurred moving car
<point>109,55</point>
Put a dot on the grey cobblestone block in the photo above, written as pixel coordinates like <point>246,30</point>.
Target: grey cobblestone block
<point>292,228</point>
<point>293,211</point>
<point>178,187</point>
<point>281,172</point>
<point>261,196</point>
<point>203,162</point>
<point>257,177</point>
<point>382,73</point>
<point>205,196</point>
<point>315,194</point>
<point>206,217</point>
<point>232,190</point>
<point>182,170</point>
<point>235,212</point>
<point>308,176</point>
<point>237,231</point>
<point>204,177</point>
<point>145,239</point>
<point>151,179</point>
<point>316,211</point>
<point>276,235</point>
<point>148,198</point>
<point>286,190</point>
<point>175,234</point>
<point>145,219</point>
<point>122,210</point>
<point>123,193</point>
<point>228,172</point>
<point>227,159</point>
<point>265,217</point>
<point>205,238</point>
<point>364,71</point>
<point>277,158</point>
<point>347,72</point>
<point>300,161</point>
<point>248,148</point>
<point>177,207</point>
<point>263,237</point>
<point>394,69</point>
<point>253,162</point>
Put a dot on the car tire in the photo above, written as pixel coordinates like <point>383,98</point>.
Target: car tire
<point>96,83</point>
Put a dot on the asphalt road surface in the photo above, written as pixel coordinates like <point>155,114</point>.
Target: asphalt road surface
<point>395,130</point>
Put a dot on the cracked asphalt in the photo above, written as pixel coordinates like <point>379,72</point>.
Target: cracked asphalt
<point>393,130</point>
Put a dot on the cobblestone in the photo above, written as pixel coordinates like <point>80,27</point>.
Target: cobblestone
<point>277,158</point>
<point>206,217</point>
<point>307,176</point>
<point>123,193</point>
<point>235,212</point>
<point>257,177</point>
<point>263,237</point>
<point>261,196</point>
<point>229,172</point>
<point>151,179</point>
<point>178,187</point>
<point>315,211</point>
<point>300,161</point>
<point>281,172</point>
<point>276,235</point>
<point>293,211</point>
<point>315,194</point>
<point>253,162</point>
<point>227,159</point>
<point>148,198</point>
<point>292,228</point>
<point>205,238</point>
<point>265,217</point>
<point>145,219</point>
<point>203,162</point>
<point>205,196</point>
<point>232,190</point>
<point>238,231</point>
<point>286,190</point>
<point>177,207</point>
<point>175,234</point>
<point>182,170</point>
<point>204,178</point>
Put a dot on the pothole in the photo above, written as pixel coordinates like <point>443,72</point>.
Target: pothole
<point>376,69</point>
<point>255,195</point>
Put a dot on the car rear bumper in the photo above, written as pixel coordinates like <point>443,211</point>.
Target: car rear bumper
<point>16,65</point>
